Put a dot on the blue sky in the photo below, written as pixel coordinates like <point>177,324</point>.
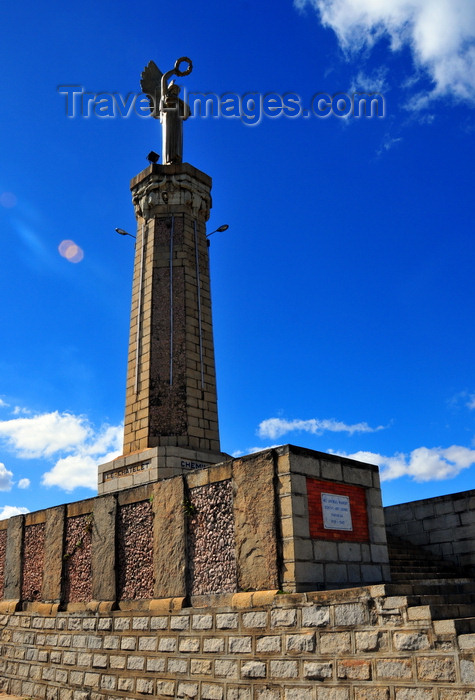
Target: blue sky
<point>343,291</point>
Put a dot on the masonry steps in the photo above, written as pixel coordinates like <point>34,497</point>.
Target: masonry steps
<point>434,588</point>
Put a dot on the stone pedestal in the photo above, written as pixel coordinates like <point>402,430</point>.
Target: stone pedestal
<point>151,465</point>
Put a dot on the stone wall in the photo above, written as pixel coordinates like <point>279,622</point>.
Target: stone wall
<point>444,525</point>
<point>255,523</point>
<point>356,644</point>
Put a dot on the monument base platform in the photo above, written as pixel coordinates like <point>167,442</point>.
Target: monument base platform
<point>151,465</point>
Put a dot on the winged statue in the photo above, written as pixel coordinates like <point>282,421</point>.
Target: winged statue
<point>167,106</point>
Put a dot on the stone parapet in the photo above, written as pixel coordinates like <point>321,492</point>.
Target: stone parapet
<point>285,519</point>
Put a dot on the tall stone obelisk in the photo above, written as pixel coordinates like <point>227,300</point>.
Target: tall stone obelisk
<point>171,416</point>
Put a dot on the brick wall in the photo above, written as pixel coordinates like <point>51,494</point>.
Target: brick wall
<point>359,644</point>
<point>444,525</point>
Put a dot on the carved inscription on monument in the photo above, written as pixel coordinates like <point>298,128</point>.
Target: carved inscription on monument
<point>336,512</point>
<point>125,471</point>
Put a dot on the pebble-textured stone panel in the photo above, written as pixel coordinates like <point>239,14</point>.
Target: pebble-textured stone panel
<point>211,545</point>
<point>33,558</point>
<point>3,551</point>
<point>77,558</point>
<point>135,551</point>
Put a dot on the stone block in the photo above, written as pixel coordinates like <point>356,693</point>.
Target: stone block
<point>126,684</point>
<point>254,619</point>
<point>309,572</point>
<point>268,644</point>
<point>283,669</point>
<point>354,669</point>
<point>117,661</point>
<point>179,622</point>
<point>331,470</point>
<point>300,643</point>
<point>283,618</point>
<point>371,693</point>
<point>358,476</point>
<point>325,551</point>
<point>135,663</point>
<point>335,642</point>
<point>147,643</point>
<point>169,532</point>
<point>212,691</point>
<point>336,573</point>
<point>187,690</point>
<point>437,668</point>
<point>227,621</point>
<point>103,548</point>
<point>266,693</point>
<point>167,644</point>
<point>175,666</point>
<point>254,514</point>
<point>226,669</point>
<point>298,694</point>
<point>213,645</point>
<point>166,688</point>
<point>349,551</point>
<point>202,622</point>
<point>240,645</point>
<point>253,669</point>
<point>400,669</point>
<point>317,671</point>
<point>189,644</point>
<point>332,693</point>
<point>379,553</point>
<point>410,641</point>
<point>414,694</point>
<point>53,554</point>
<point>316,616</point>
<point>350,614</point>
<point>370,641</point>
<point>303,549</point>
<point>371,573</point>
<point>467,642</point>
<point>12,569</point>
<point>467,671</point>
<point>121,623</point>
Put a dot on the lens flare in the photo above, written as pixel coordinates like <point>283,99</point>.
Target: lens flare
<point>8,200</point>
<point>71,251</point>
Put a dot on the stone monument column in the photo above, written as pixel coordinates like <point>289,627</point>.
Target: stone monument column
<point>171,418</point>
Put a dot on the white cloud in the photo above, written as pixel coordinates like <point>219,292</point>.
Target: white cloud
<point>374,82</point>
<point>253,450</point>
<point>45,434</point>
<point>471,402</point>
<point>3,404</point>
<point>71,472</point>
<point>5,478</point>
<point>276,427</point>
<point>24,484</point>
<point>10,511</point>
<point>80,468</point>
<point>72,441</point>
<point>422,464</point>
<point>439,33</point>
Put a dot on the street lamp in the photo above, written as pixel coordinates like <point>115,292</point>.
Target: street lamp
<point>220,229</point>
<point>124,233</point>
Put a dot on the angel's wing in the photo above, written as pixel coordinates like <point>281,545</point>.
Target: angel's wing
<point>150,82</point>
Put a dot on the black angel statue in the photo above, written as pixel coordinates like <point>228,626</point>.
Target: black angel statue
<point>167,106</point>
